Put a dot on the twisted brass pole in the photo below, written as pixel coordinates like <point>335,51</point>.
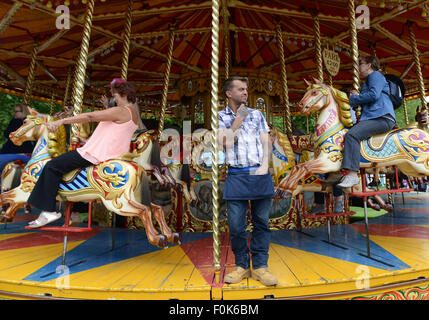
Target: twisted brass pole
<point>354,49</point>
<point>416,57</point>
<point>7,19</point>
<point>67,88</point>
<point>318,47</point>
<point>214,131</point>
<point>225,15</point>
<point>166,80</point>
<point>405,111</point>
<point>80,72</point>
<point>285,92</point>
<point>31,75</point>
<point>126,40</point>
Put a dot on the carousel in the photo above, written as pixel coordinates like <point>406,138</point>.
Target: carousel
<point>155,222</point>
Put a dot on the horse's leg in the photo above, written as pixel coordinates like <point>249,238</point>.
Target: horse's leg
<point>386,206</point>
<point>155,171</point>
<point>167,175</point>
<point>11,211</point>
<point>158,213</point>
<point>300,171</point>
<point>285,182</point>
<point>145,216</point>
<point>10,197</point>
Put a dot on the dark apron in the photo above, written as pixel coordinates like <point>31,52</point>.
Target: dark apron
<point>245,185</point>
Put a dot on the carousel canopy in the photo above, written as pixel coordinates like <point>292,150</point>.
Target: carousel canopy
<point>251,43</point>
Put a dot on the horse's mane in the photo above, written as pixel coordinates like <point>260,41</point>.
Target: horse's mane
<point>57,141</point>
<point>285,143</point>
<point>344,106</point>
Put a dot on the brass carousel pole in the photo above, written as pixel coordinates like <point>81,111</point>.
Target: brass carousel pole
<point>7,19</point>
<point>67,88</point>
<point>225,15</point>
<point>215,127</point>
<point>31,75</point>
<point>126,40</point>
<point>318,47</point>
<point>416,57</point>
<point>354,50</point>
<point>285,93</point>
<point>166,80</point>
<point>80,72</point>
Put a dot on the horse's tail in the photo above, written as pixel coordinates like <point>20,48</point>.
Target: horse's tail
<point>185,175</point>
<point>155,157</point>
<point>146,191</point>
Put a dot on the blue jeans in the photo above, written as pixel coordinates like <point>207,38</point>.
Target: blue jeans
<point>260,237</point>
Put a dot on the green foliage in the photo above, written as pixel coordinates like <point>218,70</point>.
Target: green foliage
<point>411,111</point>
<point>7,105</point>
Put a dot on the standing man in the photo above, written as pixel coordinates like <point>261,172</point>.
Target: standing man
<point>244,134</point>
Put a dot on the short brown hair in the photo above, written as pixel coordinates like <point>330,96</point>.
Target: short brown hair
<point>227,85</point>
<point>372,60</point>
<point>125,89</point>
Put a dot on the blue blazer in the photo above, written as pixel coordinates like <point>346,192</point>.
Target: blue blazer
<point>374,102</point>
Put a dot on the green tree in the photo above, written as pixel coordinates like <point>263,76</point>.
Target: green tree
<point>8,102</point>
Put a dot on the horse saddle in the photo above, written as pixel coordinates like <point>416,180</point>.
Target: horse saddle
<point>68,177</point>
<point>378,142</point>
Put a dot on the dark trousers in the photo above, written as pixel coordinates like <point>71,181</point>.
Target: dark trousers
<point>261,235</point>
<point>361,131</point>
<point>45,191</point>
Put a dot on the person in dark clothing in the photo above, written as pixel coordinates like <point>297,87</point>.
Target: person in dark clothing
<point>10,152</point>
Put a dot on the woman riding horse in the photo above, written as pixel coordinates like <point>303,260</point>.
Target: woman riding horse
<point>110,139</point>
<point>378,116</point>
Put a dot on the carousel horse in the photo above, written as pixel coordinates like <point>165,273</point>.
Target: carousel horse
<point>11,175</point>
<point>407,148</point>
<point>117,183</point>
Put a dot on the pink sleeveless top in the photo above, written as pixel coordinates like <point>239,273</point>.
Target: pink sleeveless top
<point>109,140</point>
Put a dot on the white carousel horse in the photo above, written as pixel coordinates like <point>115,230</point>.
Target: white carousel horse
<point>407,148</point>
<point>117,183</point>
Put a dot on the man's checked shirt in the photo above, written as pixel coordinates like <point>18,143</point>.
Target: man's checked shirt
<point>247,150</point>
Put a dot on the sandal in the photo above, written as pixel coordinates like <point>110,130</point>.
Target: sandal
<point>43,219</point>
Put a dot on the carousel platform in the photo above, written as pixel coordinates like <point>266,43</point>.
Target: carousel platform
<point>307,264</point>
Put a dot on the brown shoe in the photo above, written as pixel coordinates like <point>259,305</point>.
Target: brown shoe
<point>237,275</point>
<point>265,276</point>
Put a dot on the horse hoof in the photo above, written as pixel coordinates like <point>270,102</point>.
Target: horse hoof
<point>4,219</point>
<point>388,208</point>
<point>176,238</point>
<point>162,242</point>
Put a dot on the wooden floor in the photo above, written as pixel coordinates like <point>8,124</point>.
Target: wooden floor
<point>306,263</point>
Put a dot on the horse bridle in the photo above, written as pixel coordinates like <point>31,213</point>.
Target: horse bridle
<point>323,94</point>
<point>36,122</point>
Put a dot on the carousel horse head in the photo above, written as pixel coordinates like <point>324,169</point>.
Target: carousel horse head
<point>320,96</point>
<point>315,99</point>
<point>34,128</point>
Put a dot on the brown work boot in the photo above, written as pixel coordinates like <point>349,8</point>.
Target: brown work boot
<point>265,276</point>
<point>236,275</point>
